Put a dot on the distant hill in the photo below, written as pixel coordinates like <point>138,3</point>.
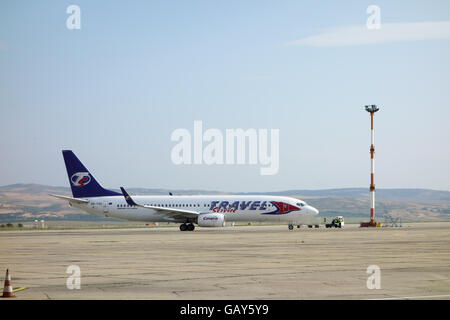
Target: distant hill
<point>414,195</point>
<point>26,202</point>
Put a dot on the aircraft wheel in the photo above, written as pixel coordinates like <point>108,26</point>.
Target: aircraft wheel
<point>190,227</point>
<point>291,227</point>
<point>183,227</point>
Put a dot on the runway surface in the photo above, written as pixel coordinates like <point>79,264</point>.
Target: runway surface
<point>248,262</point>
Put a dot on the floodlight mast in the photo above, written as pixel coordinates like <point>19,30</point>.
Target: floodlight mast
<point>372,109</point>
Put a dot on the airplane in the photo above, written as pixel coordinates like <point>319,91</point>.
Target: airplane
<point>203,210</point>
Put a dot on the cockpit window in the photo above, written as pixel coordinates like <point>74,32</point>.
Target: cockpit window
<point>301,204</point>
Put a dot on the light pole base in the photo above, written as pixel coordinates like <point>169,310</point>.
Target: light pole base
<point>372,223</point>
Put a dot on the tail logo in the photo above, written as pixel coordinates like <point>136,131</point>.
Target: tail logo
<point>80,179</point>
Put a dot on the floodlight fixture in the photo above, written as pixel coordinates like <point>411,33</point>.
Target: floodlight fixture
<point>372,108</point>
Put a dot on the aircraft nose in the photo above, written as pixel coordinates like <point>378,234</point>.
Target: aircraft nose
<point>314,211</point>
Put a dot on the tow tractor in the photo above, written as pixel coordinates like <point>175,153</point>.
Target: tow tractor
<point>337,222</point>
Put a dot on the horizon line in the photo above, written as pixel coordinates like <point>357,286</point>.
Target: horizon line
<point>221,191</point>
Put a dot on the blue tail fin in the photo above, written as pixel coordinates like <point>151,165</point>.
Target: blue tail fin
<point>83,183</point>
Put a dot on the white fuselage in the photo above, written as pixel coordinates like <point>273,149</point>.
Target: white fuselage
<point>234,207</point>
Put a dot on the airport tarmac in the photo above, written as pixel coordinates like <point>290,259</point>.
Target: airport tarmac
<point>246,262</point>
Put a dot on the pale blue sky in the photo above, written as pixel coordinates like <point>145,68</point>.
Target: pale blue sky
<point>114,91</point>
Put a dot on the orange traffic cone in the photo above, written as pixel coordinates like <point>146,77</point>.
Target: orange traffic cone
<point>7,290</point>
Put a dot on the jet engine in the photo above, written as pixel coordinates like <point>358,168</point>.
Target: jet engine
<point>211,220</point>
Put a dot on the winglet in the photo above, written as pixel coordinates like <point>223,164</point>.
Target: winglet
<point>128,199</point>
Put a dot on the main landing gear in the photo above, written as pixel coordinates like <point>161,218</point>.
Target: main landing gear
<point>187,227</point>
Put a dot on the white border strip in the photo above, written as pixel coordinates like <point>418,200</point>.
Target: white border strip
<point>417,297</point>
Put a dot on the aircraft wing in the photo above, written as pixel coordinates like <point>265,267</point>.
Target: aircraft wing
<point>70,199</point>
<point>169,212</point>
